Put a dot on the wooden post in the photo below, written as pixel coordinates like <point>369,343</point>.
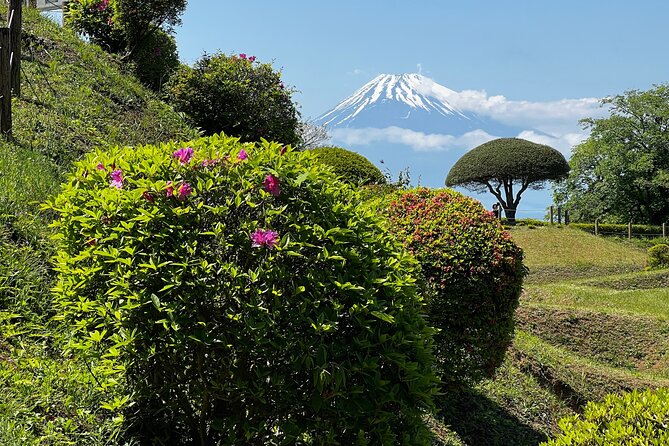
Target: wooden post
<point>597,226</point>
<point>15,24</point>
<point>551,211</point>
<point>566,217</point>
<point>629,230</point>
<point>664,230</point>
<point>5,84</point>
<point>559,215</point>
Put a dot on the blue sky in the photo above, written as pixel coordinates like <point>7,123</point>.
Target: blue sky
<point>525,50</point>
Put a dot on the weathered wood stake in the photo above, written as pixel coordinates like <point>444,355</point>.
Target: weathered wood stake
<point>629,230</point>
<point>5,84</point>
<point>15,25</point>
<point>597,226</point>
<point>551,211</point>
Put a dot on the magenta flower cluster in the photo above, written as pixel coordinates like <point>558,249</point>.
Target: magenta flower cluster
<point>117,179</point>
<point>263,237</point>
<point>271,185</point>
<point>243,56</point>
<point>184,155</point>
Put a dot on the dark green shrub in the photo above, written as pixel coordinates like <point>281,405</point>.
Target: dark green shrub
<point>619,229</point>
<point>658,256</point>
<point>635,418</point>
<point>473,272</point>
<point>156,58</point>
<point>235,95</point>
<point>351,167</point>
<point>235,294</point>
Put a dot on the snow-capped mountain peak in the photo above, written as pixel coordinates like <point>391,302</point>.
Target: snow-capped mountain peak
<point>413,90</point>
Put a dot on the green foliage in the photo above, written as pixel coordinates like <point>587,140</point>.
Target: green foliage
<point>473,272</point>
<point>137,29</point>
<point>211,332</point>
<point>498,165</point>
<point>635,418</point>
<point>658,256</point>
<point>621,172</point>
<point>238,96</point>
<point>350,167</point>
<point>156,59</point>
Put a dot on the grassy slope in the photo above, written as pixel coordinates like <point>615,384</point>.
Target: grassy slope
<point>75,97</point>
<point>591,321</point>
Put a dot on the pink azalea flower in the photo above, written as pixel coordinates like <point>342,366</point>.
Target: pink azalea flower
<point>117,179</point>
<point>263,237</point>
<point>252,59</point>
<point>184,155</point>
<point>184,191</point>
<point>242,56</point>
<point>271,185</point>
<point>283,150</point>
<point>148,196</point>
<point>242,155</point>
<point>100,166</point>
<point>103,5</point>
<point>170,190</point>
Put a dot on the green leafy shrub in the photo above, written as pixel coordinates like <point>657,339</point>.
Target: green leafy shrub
<point>156,59</point>
<point>619,229</point>
<point>658,256</point>
<point>351,167</point>
<point>473,272</point>
<point>635,418</point>
<point>234,293</point>
<point>235,95</point>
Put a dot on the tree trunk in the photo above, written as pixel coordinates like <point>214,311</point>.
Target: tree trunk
<point>510,213</point>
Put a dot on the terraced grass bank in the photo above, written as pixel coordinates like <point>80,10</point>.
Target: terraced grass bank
<point>591,322</point>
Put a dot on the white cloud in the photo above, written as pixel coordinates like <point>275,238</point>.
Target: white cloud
<point>356,72</point>
<point>418,141</point>
<point>559,116</point>
<point>436,142</point>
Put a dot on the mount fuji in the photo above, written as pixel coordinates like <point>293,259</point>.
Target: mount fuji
<point>410,101</point>
<point>409,121</point>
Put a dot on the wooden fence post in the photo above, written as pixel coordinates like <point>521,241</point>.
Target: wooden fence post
<point>559,215</point>
<point>629,230</point>
<point>551,211</point>
<point>5,84</point>
<point>664,230</point>
<point>566,217</point>
<point>15,24</point>
<point>596,226</point>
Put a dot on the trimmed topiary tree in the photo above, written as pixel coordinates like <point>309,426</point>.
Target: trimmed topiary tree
<point>498,165</point>
<point>473,273</point>
<point>634,418</point>
<point>238,96</point>
<point>351,167</point>
<point>230,293</point>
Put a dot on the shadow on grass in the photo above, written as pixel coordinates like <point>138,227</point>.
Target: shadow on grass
<point>479,421</point>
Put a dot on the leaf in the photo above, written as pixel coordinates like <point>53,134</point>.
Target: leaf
<point>156,301</point>
<point>383,316</point>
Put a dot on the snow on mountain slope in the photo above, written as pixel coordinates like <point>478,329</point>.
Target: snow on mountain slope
<point>410,101</point>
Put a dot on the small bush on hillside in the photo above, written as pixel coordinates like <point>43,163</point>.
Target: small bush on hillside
<point>658,256</point>
<point>156,59</point>
<point>239,296</point>
<point>473,272</point>
<point>351,167</point>
<point>235,95</point>
<point>635,418</point>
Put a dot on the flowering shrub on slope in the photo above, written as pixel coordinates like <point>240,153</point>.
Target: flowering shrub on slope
<point>229,293</point>
<point>473,272</point>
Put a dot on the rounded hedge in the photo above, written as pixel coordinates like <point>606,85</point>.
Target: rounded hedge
<point>634,418</point>
<point>351,167</point>
<point>658,256</point>
<point>230,293</point>
<point>473,273</point>
<point>235,95</point>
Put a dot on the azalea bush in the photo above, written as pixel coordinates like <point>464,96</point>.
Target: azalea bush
<point>658,256</point>
<point>237,95</point>
<point>473,273</point>
<point>230,293</point>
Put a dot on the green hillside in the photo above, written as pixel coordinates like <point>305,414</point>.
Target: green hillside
<point>74,97</point>
<point>591,322</point>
